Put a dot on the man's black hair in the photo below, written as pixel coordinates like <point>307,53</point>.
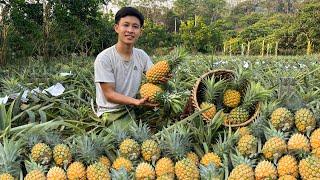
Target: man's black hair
<point>129,11</point>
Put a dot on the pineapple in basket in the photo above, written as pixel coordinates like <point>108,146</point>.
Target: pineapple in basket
<point>255,93</point>
<point>163,68</point>
<point>212,90</point>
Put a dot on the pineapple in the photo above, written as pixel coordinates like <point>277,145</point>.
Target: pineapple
<point>105,161</point>
<point>254,94</point>
<point>309,168</point>
<point>35,175</point>
<point>244,131</point>
<point>212,91</point>
<point>298,142</point>
<point>287,177</point>
<point>185,169</point>
<point>6,176</point>
<point>247,145</point>
<point>282,119</point>
<point>130,149</point>
<point>150,150</point>
<point>56,173</point>
<point>275,146</point>
<point>62,155</point>
<point>209,158</point>
<point>231,98</point>
<point>242,168</point>
<point>287,165</point>
<point>144,171</point>
<point>164,166</point>
<point>150,91</point>
<point>305,120</point>
<point>315,139</point>
<point>166,177</point>
<point>194,157</point>
<point>41,153</point>
<point>76,171</point>
<point>98,171</point>
<point>265,170</point>
<point>163,68</point>
<point>316,152</point>
<point>122,162</point>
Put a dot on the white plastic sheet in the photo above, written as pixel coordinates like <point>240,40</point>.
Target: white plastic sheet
<point>55,90</point>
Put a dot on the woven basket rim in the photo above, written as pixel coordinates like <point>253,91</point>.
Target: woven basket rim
<point>197,107</point>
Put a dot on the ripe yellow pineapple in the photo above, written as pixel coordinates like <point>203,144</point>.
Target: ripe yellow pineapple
<point>309,168</point>
<point>56,173</point>
<point>76,171</point>
<point>122,162</point>
<point>231,98</point>
<point>287,177</point>
<point>130,149</point>
<point>6,176</point>
<point>304,120</point>
<point>166,177</point>
<point>150,150</point>
<point>287,165</point>
<point>247,145</point>
<point>244,131</point>
<point>194,157</point>
<point>265,170</point>
<point>164,166</point>
<point>105,161</point>
<point>211,158</point>
<point>316,152</point>
<point>185,169</point>
<point>282,119</point>
<point>144,171</point>
<point>163,68</point>
<point>35,175</point>
<point>62,155</point>
<point>242,171</point>
<point>41,153</point>
<point>210,112</point>
<point>315,139</point>
<point>98,171</point>
<point>150,91</point>
<point>298,143</point>
<point>275,146</point>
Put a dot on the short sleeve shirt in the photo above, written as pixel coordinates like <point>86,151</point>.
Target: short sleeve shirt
<point>111,67</point>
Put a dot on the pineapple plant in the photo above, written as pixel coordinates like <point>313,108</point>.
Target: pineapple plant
<point>265,170</point>
<point>130,149</point>
<point>122,162</point>
<point>242,168</point>
<point>247,145</point>
<point>56,173</point>
<point>275,146</point>
<point>194,157</point>
<point>304,120</point>
<point>76,171</point>
<point>288,165</point>
<point>164,166</point>
<point>62,155</point>
<point>282,119</point>
<point>6,176</point>
<point>186,169</point>
<point>309,168</point>
<point>150,150</point>
<point>98,171</point>
<point>145,171</point>
<point>41,153</point>
<point>255,93</point>
<point>162,68</point>
<point>298,142</point>
<point>213,89</point>
<point>315,139</point>
<point>150,91</point>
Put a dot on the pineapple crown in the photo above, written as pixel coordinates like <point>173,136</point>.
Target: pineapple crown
<point>271,132</point>
<point>120,174</point>
<point>140,132</point>
<point>255,93</point>
<point>32,165</point>
<point>237,159</point>
<point>176,56</point>
<point>225,143</point>
<point>118,134</point>
<point>211,172</point>
<point>10,151</point>
<point>213,88</point>
<point>241,78</point>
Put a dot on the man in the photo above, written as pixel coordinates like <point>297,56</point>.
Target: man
<point>118,70</point>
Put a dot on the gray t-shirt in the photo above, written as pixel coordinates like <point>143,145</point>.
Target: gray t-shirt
<point>111,67</point>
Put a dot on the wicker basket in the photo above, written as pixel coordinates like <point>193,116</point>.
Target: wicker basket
<point>198,94</point>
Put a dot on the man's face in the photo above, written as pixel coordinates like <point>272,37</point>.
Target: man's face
<point>128,29</point>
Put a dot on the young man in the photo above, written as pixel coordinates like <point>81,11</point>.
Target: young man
<point>118,70</point>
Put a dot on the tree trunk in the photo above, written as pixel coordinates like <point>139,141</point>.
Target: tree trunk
<point>46,30</point>
<point>4,34</point>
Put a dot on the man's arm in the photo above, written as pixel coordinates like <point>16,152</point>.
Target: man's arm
<point>117,98</point>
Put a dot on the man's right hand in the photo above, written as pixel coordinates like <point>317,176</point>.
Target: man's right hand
<point>141,101</point>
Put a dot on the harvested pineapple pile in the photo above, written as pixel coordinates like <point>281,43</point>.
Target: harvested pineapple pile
<point>58,137</point>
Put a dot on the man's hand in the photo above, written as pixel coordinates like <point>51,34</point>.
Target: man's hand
<point>144,102</point>
<point>166,78</point>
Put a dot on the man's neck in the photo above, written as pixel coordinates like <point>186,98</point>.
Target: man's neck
<point>124,50</point>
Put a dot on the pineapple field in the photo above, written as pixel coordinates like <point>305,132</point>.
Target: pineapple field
<point>217,117</point>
